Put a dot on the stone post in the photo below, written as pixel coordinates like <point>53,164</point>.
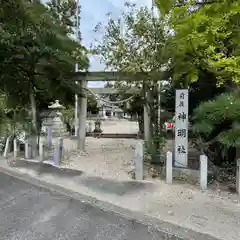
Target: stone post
<point>90,126</point>
<point>15,148</point>
<point>203,171</point>
<point>238,177</point>
<point>139,161</point>
<point>41,150</point>
<point>6,149</point>
<point>49,136</point>
<point>169,168</point>
<point>26,149</point>
<point>58,152</point>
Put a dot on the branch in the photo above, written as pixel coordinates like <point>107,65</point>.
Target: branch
<point>198,3</point>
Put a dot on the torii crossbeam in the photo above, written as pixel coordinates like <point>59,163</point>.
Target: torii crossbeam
<point>109,76</point>
<point>83,78</point>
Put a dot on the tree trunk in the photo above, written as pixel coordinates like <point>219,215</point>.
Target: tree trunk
<point>237,152</point>
<point>140,123</point>
<point>34,123</point>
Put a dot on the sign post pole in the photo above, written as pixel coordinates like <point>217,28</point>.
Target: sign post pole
<point>181,128</point>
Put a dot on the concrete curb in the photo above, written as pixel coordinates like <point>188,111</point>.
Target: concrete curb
<point>110,135</point>
<point>169,231</point>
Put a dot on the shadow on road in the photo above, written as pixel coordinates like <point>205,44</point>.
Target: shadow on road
<point>94,182</point>
<point>114,187</point>
<point>45,168</point>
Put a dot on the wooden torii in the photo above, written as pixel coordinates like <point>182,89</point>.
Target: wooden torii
<point>81,104</point>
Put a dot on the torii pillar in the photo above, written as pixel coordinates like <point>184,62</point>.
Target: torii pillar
<point>82,115</point>
<point>146,116</point>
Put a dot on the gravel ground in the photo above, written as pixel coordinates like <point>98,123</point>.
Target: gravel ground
<point>108,158</point>
<point>104,157</point>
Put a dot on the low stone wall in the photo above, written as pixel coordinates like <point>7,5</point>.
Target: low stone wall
<point>185,174</point>
<point>110,135</point>
<point>115,135</point>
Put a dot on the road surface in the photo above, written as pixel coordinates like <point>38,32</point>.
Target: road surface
<point>28,212</point>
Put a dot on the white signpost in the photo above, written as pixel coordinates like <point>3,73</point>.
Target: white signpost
<point>181,128</point>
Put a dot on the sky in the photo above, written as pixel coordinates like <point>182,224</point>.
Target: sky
<point>93,12</point>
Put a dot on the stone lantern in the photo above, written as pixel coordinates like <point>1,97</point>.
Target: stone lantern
<point>97,129</point>
<point>56,119</point>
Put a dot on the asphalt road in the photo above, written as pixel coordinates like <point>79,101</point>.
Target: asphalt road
<point>28,212</point>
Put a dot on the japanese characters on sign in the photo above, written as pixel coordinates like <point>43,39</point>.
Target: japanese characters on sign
<point>181,128</point>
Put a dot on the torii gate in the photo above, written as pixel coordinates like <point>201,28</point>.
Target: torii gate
<point>81,109</point>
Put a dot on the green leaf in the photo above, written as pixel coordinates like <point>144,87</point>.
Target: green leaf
<point>165,5</point>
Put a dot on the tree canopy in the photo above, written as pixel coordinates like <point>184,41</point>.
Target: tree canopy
<point>38,52</point>
<point>203,47</point>
<point>133,42</point>
<point>203,34</point>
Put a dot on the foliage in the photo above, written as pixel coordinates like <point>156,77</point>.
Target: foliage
<point>39,51</point>
<point>153,156</point>
<point>3,114</point>
<point>63,13</point>
<point>165,6</point>
<point>38,56</point>
<point>68,114</point>
<point>198,91</point>
<point>204,34</point>
<point>203,48</point>
<point>219,119</point>
<point>92,105</point>
<point>13,121</point>
<point>133,43</point>
<point>207,34</point>
<point>217,125</point>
